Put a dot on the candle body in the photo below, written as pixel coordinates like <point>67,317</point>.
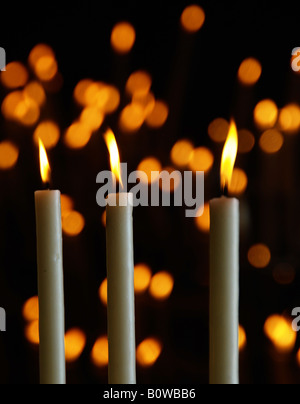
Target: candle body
<point>224,291</point>
<point>120,290</point>
<point>50,287</point>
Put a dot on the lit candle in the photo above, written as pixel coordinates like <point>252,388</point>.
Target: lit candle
<point>50,280</point>
<point>224,275</point>
<point>120,279</point>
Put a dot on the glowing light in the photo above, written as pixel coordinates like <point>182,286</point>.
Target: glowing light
<point>123,37</point>
<point>142,278</point>
<point>92,117</point>
<point>131,118</point>
<point>36,92</point>
<point>73,223</point>
<point>10,103</point>
<point>192,18</point>
<point>16,75</point>
<point>265,114</point>
<point>75,341</point>
<point>99,353</point>
<point>289,119</point>
<point>203,222</point>
<point>249,71</point>
<point>103,219</point>
<point>112,146</point>
<point>238,183</point>
<point>246,141</point>
<point>229,156</point>
<point>48,132</point>
<point>148,352</point>
<point>202,160</point>
<point>161,285</point>
<point>27,111</point>
<point>139,83</point>
<point>280,332</point>
<point>77,135</point>
<point>145,101</point>
<point>9,154</point>
<point>43,62</point>
<point>271,141</point>
<point>159,115</point>
<point>242,338</point>
<point>182,153</point>
<point>67,203</point>
<point>259,256</point>
<point>31,309</point>
<point>32,332</point>
<point>80,91</point>
<point>103,292</point>
<point>150,165</point>
<point>44,163</point>
<point>218,130</point>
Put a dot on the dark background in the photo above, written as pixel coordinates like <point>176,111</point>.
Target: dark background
<point>196,75</point>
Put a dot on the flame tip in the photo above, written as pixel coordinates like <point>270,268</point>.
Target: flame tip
<point>229,155</point>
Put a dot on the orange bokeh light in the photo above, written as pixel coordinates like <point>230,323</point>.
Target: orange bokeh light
<point>9,154</point>
<point>249,71</point>
<point>161,285</point>
<point>99,353</point>
<point>148,352</point>
<point>75,340</point>
<point>123,37</point>
<point>16,75</point>
<point>192,18</point>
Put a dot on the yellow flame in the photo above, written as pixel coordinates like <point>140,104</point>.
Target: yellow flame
<point>229,155</point>
<point>44,163</point>
<point>112,146</point>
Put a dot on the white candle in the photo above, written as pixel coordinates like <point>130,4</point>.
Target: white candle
<point>120,278</point>
<point>50,284</point>
<point>224,276</point>
<point>120,290</point>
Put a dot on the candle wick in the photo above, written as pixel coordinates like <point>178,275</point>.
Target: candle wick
<point>226,191</point>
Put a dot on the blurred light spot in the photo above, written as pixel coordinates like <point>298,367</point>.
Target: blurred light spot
<point>249,71</point>
<point>242,338</point>
<point>123,37</point>
<point>99,353</point>
<point>175,180</point>
<point>36,92</point>
<point>246,141</point>
<point>239,182</point>
<point>80,91</point>
<point>131,118</point>
<point>159,115</point>
<point>218,130</point>
<point>9,154</point>
<point>73,223</point>
<point>284,274</point>
<point>27,112</point>
<point>161,285</point>
<point>46,68</point>
<point>142,277</point>
<point>259,256</point>
<point>145,101</point>
<point>192,18</point>
<point>182,153</point>
<point>202,160</point>
<point>103,219</point>
<point>16,75</point>
<point>77,135</point>
<point>103,292</point>
<point>150,165</point>
<point>92,117</point>
<point>271,141</point>
<point>48,132</point>
<point>67,204</point>
<point>148,352</point>
<point>38,51</point>
<point>31,309</point>
<point>32,332</point>
<point>289,119</point>
<point>203,222</point>
<point>10,103</point>
<point>112,100</point>
<point>280,332</point>
<point>75,341</point>
<point>265,114</point>
<point>139,83</point>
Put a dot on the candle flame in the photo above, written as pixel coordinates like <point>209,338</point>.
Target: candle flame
<point>112,146</point>
<point>44,163</point>
<point>229,156</point>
